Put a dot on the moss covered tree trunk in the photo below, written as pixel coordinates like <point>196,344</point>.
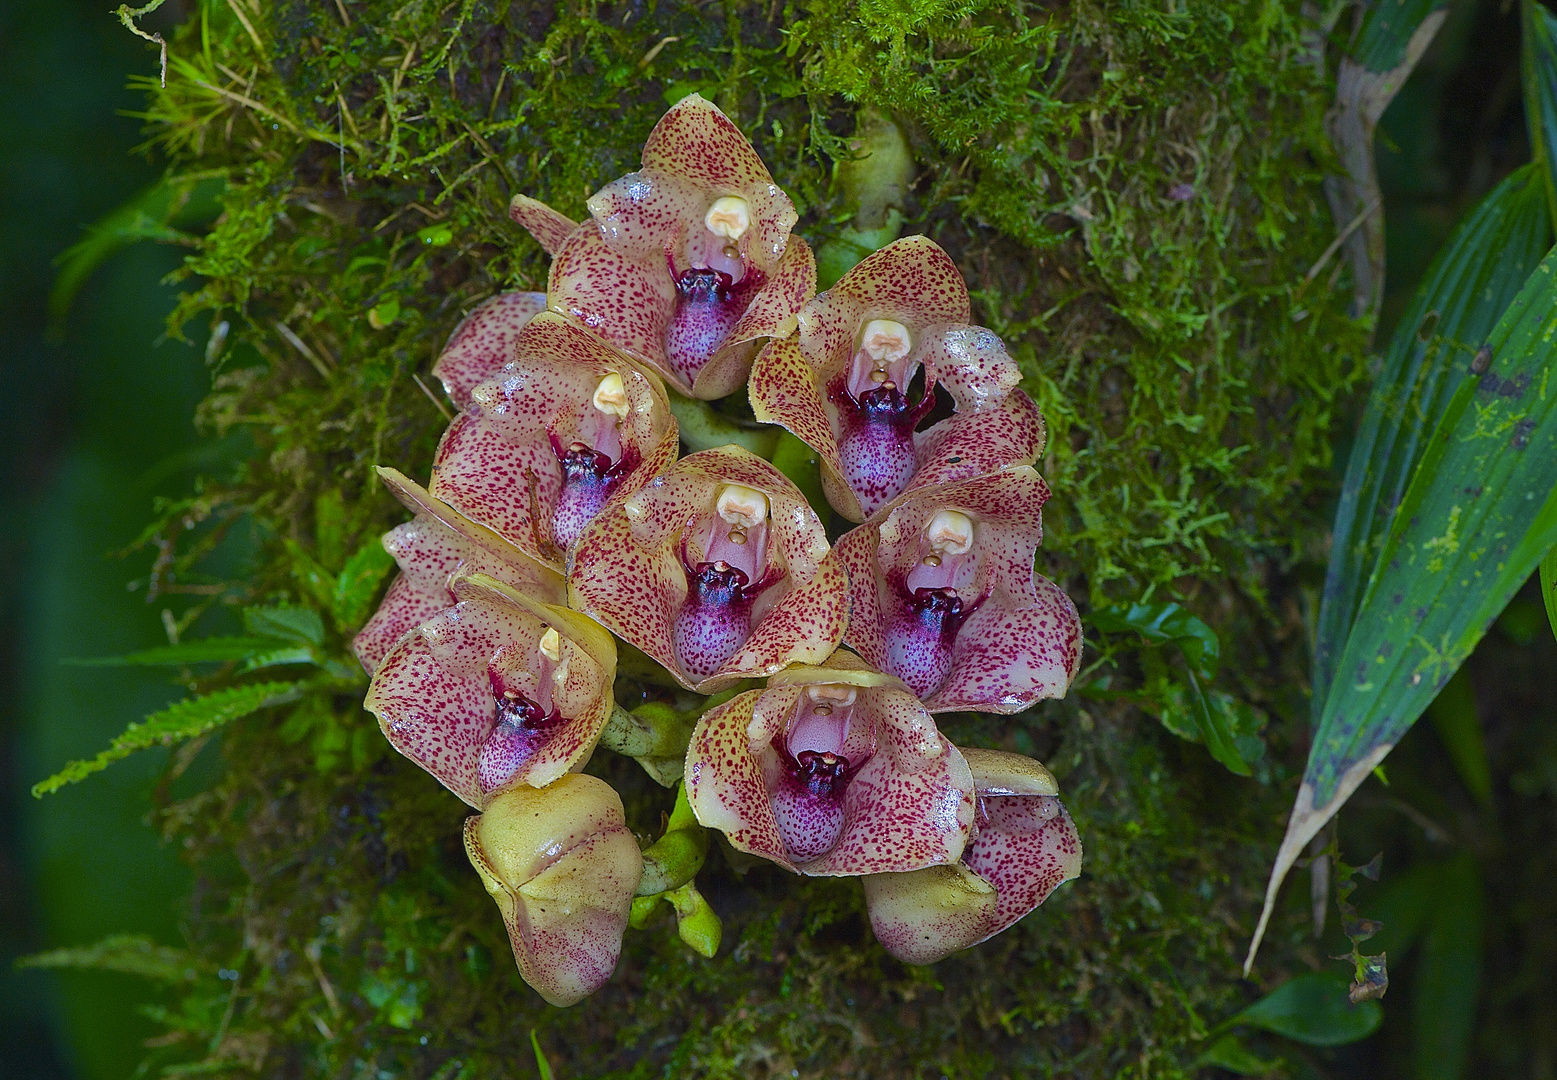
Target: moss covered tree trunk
<point>1133,193</point>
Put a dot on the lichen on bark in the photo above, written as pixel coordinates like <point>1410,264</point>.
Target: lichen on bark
<point>1133,194</point>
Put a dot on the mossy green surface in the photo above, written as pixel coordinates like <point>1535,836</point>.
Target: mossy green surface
<point>1131,190</point>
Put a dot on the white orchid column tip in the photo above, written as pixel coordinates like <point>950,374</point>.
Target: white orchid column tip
<point>611,396</point>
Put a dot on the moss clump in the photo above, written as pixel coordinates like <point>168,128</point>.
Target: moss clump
<point>1132,191</point>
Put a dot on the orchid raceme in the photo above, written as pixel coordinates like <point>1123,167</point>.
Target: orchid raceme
<point>943,595</point>
<point>432,549</point>
<point>1024,847</point>
<point>717,569</point>
<point>562,866</point>
<point>565,426</point>
<point>497,691</point>
<point>558,483</point>
<point>832,770</point>
<point>859,377</point>
<point>484,342</point>
<point>687,265</point>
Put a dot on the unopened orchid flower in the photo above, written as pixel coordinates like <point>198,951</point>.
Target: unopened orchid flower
<point>432,549</point>
<point>1024,847</point>
<point>860,376</point>
<point>484,342</point>
<point>943,595</point>
<point>565,426</point>
<point>688,264</point>
<point>562,866</point>
<point>832,770</point>
<point>717,569</point>
<point>497,691</point>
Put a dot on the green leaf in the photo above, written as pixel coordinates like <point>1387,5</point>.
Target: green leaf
<point>1312,1008</point>
<point>330,528</point>
<point>184,720</point>
<point>1386,31</point>
<point>157,213</point>
<point>542,1066</point>
<point>129,954</point>
<point>291,654</point>
<point>204,651</point>
<point>356,587</point>
<point>800,463</point>
<point>316,582</point>
<point>1480,512</point>
<point>1469,285</point>
<point>1448,972</point>
<point>1214,729</point>
<point>1231,1054</point>
<point>1538,71</point>
<point>1163,623</point>
<point>1453,713</point>
<point>285,623</point>
<point>1549,587</point>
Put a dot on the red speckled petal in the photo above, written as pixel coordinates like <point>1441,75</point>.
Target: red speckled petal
<point>625,296</point>
<point>724,781</point>
<point>562,867</point>
<point>785,390</point>
<point>803,628</point>
<point>911,280</point>
<point>1006,658</point>
<point>484,342</point>
<point>771,314</point>
<point>407,602</point>
<point>626,570</point>
<point>536,578</point>
<point>696,141</point>
<point>499,484</point>
<point>550,229</point>
<point>911,804</point>
<point>971,363</point>
<point>972,444</point>
<point>1027,848</point>
<point>856,550</point>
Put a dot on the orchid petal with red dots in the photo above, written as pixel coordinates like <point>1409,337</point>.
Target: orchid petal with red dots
<point>497,691</point>
<point>567,426</point>
<point>1023,848</point>
<point>484,342</point>
<point>943,595</point>
<point>687,265</point>
<point>550,228</point>
<point>833,770</point>
<point>431,550</point>
<point>845,383</point>
<point>717,569</point>
<point>562,866</point>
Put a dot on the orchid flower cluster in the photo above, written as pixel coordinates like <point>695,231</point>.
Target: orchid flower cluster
<point>559,519</point>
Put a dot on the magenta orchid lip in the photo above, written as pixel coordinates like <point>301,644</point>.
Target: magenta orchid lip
<point>560,520</point>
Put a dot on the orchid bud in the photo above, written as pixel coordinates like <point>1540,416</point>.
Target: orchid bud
<point>943,595</point>
<point>832,770</point>
<point>717,569</point>
<point>562,866</point>
<point>845,384</point>
<point>687,265</point>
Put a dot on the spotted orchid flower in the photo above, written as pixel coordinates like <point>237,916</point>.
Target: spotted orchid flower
<point>860,378</point>
<point>832,770</point>
<point>717,569</point>
<point>567,425</point>
<point>562,866</point>
<point>1023,848</point>
<point>484,342</point>
<point>432,549</point>
<point>687,265</point>
<point>497,691</point>
<point>943,596</point>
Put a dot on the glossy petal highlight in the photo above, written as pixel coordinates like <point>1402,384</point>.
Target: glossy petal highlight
<point>484,342</point>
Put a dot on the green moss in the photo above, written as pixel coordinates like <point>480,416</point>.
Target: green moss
<point>1132,191</point>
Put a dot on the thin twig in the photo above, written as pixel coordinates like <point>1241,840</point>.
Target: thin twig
<point>345,18</point>
<point>440,406</point>
<point>1341,238</point>
<point>128,15</point>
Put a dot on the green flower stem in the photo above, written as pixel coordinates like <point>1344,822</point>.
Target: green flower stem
<point>673,859</point>
<point>800,463</point>
<point>696,922</point>
<point>703,429</point>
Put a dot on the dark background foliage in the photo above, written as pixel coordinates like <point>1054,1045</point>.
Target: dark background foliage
<point>316,863</point>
